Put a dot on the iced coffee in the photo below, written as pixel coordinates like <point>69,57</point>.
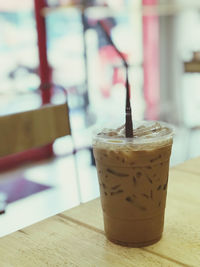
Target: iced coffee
<point>133,178</point>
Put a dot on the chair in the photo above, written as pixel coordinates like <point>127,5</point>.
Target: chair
<point>32,129</point>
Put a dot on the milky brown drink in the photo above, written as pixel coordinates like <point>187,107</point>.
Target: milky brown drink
<point>133,178</point>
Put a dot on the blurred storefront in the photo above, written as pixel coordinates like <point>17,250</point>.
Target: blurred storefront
<point>151,35</point>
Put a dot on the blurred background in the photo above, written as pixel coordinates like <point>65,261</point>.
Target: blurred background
<point>53,49</point>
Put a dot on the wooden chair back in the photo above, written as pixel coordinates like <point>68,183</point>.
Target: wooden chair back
<point>31,129</point>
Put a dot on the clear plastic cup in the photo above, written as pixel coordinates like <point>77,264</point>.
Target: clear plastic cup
<point>133,178</point>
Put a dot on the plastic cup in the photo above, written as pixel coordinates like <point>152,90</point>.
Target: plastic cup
<point>133,178</point>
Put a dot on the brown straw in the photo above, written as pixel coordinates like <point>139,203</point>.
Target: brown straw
<point>128,122</point>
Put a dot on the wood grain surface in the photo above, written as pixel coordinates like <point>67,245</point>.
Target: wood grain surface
<point>76,237</point>
<point>190,166</point>
<point>60,241</point>
<point>32,129</point>
<point>181,239</point>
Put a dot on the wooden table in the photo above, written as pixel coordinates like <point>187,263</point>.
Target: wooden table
<point>76,238</point>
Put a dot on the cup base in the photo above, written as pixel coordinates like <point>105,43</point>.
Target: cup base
<point>135,245</point>
<point>135,232</point>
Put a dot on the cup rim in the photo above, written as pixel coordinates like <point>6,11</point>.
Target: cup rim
<point>135,140</point>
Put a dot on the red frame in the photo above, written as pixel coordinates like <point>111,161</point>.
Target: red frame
<point>44,68</point>
<point>151,62</point>
<point>45,87</point>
